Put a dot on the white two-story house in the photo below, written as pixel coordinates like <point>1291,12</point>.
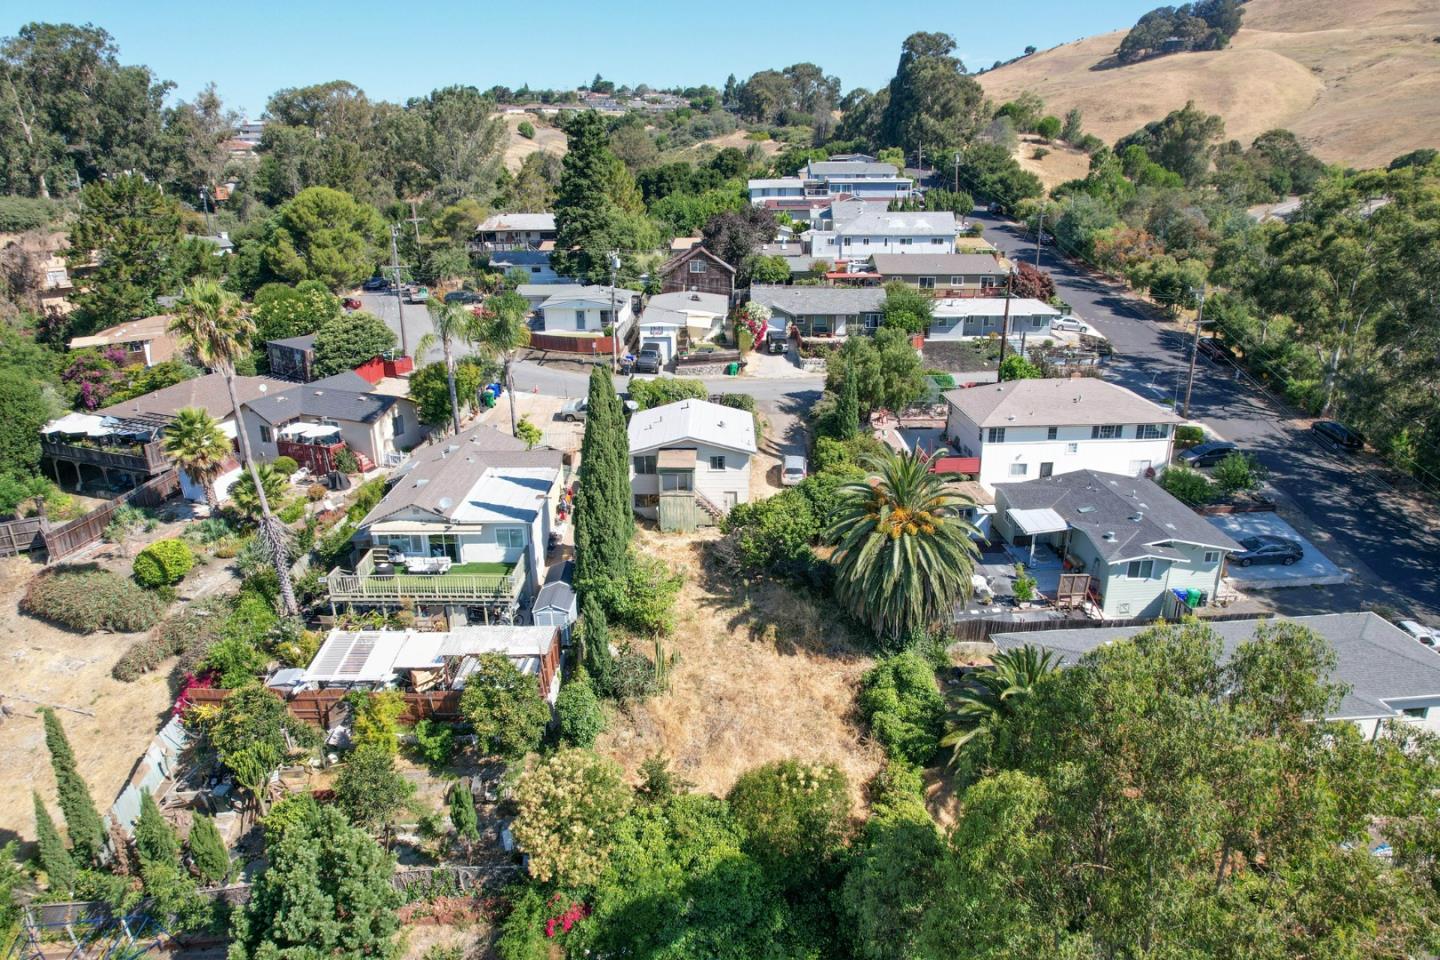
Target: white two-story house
<point>862,236</point>
<point>690,462</point>
<point>1029,429</point>
<point>964,318</point>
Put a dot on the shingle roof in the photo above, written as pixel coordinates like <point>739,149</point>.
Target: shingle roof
<point>1378,661</point>
<point>803,301</point>
<point>691,254</point>
<point>716,303</point>
<point>939,264</point>
<point>344,396</point>
<point>302,342</point>
<point>518,221</point>
<point>146,328</point>
<point>1082,401</point>
<point>692,421</point>
<point>840,168</point>
<point>1124,517</point>
<point>206,392</point>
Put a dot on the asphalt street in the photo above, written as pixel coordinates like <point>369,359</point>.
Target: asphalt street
<point>1342,494</point>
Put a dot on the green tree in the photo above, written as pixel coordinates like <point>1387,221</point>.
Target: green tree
<point>594,633</point>
<point>154,837</point>
<point>1048,128</point>
<point>461,801</point>
<point>370,790</point>
<point>996,693</point>
<point>504,328</point>
<point>322,234</point>
<point>326,892</point>
<point>504,706</point>
<point>907,308</point>
<point>1072,130</point>
<point>1189,486</point>
<point>376,718</point>
<point>768,269</point>
<point>23,411</point>
<point>1237,473</point>
<point>902,704</point>
<point>528,432</point>
<point>131,231</point>
<point>886,367</point>
<point>846,421</point>
<point>55,859</point>
<point>282,311</point>
<point>249,737</point>
<point>430,389</point>
<point>796,820</point>
<point>770,534</point>
<point>207,851</point>
<point>581,715</point>
<point>1016,367</point>
<point>212,324</point>
<point>82,820</point>
<point>904,555</point>
<point>1183,141</point>
<point>452,324</point>
<point>585,215</point>
<point>200,448</point>
<point>604,523</point>
<point>569,806</point>
<point>932,102</point>
<point>346,341</point>
<point>243,490</point>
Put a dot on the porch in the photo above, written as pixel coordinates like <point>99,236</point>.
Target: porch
<point>377,579</point>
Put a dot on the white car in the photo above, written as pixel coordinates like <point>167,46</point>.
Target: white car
<point>1071,325</point>
<point>792,471</point>
<point>1426,635</point>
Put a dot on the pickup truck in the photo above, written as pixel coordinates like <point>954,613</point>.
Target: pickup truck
<point>648,360</point>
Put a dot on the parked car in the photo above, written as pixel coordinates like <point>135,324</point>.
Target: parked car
<point>1426,635</point>
<point>1267,548</point>
<point>792,471</point>
<point>1214,349</point>
<point>351,303</point>
<point>462,296</point>
<point>418,295</point>
<point>1337,435</point>
<point>1072,325</point>
<point>1207,454</point>
<point>776,341</point>
<point>577,410</point>
<point>375,283</point>
<point>648,360</point>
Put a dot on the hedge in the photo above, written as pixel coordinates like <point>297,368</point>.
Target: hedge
<point>188,635</point>
<point>86,599</point>
<point>285,465</point>
<point>163,563</point>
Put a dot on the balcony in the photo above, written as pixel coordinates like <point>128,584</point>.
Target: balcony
<point>147,458</point>
<point>464,583</point>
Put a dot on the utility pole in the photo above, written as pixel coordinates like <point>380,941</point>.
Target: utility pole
<point>1005,325</point>
<point>957,171</point>
<point>395,285</point>
<point>1194,350</point>
<point>205,208</point>
<point>416,220</point>
<point>614,316</point>
<point>1039,232</point>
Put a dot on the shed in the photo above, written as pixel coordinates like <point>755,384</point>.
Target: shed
<point>556,606</point>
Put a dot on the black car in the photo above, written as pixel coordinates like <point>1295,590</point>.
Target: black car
<point>1268,549</point>
<point>1337,435</point>
<point>648,361</point>
<point>463,296</point>
<point>1214,349</point>
<point>375,283</point>
<point>1207,454</point>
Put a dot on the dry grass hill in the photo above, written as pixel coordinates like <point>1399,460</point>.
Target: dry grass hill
<point>1357,80</point>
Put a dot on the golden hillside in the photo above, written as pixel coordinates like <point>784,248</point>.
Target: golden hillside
<point>1357,80</point>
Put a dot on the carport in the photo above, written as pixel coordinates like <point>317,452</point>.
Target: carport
<point>1035,523</point>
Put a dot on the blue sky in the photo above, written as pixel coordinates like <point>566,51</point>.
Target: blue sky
<point>398,50</point>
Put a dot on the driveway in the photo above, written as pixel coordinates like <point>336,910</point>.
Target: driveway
<point>1394,541</point>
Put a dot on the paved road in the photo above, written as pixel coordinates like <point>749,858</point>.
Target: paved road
<point>1348,498</point>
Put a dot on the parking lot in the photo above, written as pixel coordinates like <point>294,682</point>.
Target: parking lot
<point>1313,569</point>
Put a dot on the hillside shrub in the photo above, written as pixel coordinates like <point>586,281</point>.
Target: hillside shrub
<point>434,741</point>
<point>582,716</point>
<point>86,599</point>
<point>796,817</point>
<point>1188,435</point>
<point>292,511</point>
<point>187,634</point>
<point>163,563</point>
<point>1190,487</point>
<point>285,466</point>
<point>645,601</point>
<point>648,394</point>
<point>906,713</point>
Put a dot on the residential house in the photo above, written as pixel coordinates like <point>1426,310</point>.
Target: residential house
<point>697,270</point>
<point>312,422</point>
<point>143,342</point>
<point>1386,675</point>
<point>292,358</point>
<point>1133,540</point>
<point>963,318</point>
<point>948,274</point>
<point>673,321</point>
<point>690,462</point>
<point>1024,429</point>
<point>536,294</point>
<point>577,308</point>
<point>821,311</point>
<point>861,178</point>
<point>463,531</point>
<point>880,231</point>
<point>535,264</point>
<point>514,231</point>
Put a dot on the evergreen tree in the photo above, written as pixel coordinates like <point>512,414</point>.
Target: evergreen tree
<point>603,521</point>
<point>595,634</point>
<point>207,850</point>
<point>82,820</point>
<point>59,867</point>
<point>462,812</point>
<point>584,213</point>
<point>155,839</point>
<point>847,410</point>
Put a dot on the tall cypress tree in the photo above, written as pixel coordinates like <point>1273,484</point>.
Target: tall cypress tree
<point>603,521</point>
<point>58,864</point>
<point>82,820</point>
<point>598,661</point>
<point>847,408</point>
<point>584,212</point>
<point>155,840</point>
<point>208,851</point>
<point>462,812</point>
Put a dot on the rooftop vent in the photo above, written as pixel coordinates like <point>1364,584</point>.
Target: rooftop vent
<point>1086,509</point>
<point>1108,536</point>
<point>445,503</point>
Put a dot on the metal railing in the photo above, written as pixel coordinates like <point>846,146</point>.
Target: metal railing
<point>366,584</point>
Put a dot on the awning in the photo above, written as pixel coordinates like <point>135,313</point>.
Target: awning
<point>308,431</point>
<point>1036,522</point>
<point>79,425</point>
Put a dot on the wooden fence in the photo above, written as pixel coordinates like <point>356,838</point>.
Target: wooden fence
<point>22,536</point>
<point>316,706</point>
<point>590,346</point>
<point>980,631</point>
<point>62,541</point>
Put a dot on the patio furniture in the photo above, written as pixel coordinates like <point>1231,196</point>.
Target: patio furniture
<point>427,564</point>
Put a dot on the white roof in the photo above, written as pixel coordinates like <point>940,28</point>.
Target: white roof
<point>589,294</point>
<point>375,656</point>
<point>78,424</point>
<point>992,307</point>
<point>776,182</point>
<point>1052,402</point>
<point>692,421</point>
<point>518,221</point>
<point>1035,522</point>
<point>356,657</point>
<point>938,222</point>
<point>511,640</point>
<point>692,302</point>
<point>507,495</point>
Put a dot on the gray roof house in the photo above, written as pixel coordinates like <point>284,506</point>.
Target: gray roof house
<point>821,311</point>
<point>949,274</point>
<point>1136,542</point>
<point>1390,676</point>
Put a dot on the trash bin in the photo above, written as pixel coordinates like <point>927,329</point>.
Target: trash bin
<point>1192,598</point>
<point>732,369</point>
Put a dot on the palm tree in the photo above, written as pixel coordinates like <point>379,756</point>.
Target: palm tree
<point>452,322</point>
<point>196,442</point>
<point>503,330</point>
<point>904,555</point>
<point>997,692</point>
<point>212,323</point>
<point>272,484</point>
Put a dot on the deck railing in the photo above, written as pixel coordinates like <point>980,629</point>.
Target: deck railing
<point>366,585</point>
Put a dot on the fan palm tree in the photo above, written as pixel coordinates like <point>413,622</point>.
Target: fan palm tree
<point>196,442</point>
<point>997,692</point>
<point>453,323</point>
<point>502,331</point>
<point>211,322</point>
<point>247,501</point>
<point>904,555</point>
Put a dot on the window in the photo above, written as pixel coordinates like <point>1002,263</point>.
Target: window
<point>957,281</point>
<point>1052,433</point>
<point>512,537</point>
<point>1072,448</point>
<point>445,545</point>
<point>670,482</point>
<point>265,435</point>
<point>1109,431</point>
<point>717,463</point>
<point>847,241</point>
<point>697,266</point>
<point>1416,713</point>
<point>872,322</point>
<point>647,501</point>
<point>820,325</point>
<point>1019,469</point>
<point>927,283</point>
<point>997,435</point>
<point>1152,431</point>
<point>397,425</point>
<point>645,465</point>
<point>939,240</point>
<point>534,269</point>
<point>1140,569</point>
<point>1212,556</point>
<point>904,241</point>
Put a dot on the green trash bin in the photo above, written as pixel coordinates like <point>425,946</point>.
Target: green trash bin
<point>732,369</point>
<point>1192,598</point>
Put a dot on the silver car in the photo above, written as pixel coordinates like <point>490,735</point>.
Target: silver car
<point>792,471</point>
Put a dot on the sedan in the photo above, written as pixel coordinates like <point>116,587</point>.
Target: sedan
<point>463,296</point>
<point>1268,549</point>
<point>351,303</point>
<point>1071,325</point>
<point>1420,632</point>
<point>1207,454</point>
<point>1337,435</point>
<point>375,283</point>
